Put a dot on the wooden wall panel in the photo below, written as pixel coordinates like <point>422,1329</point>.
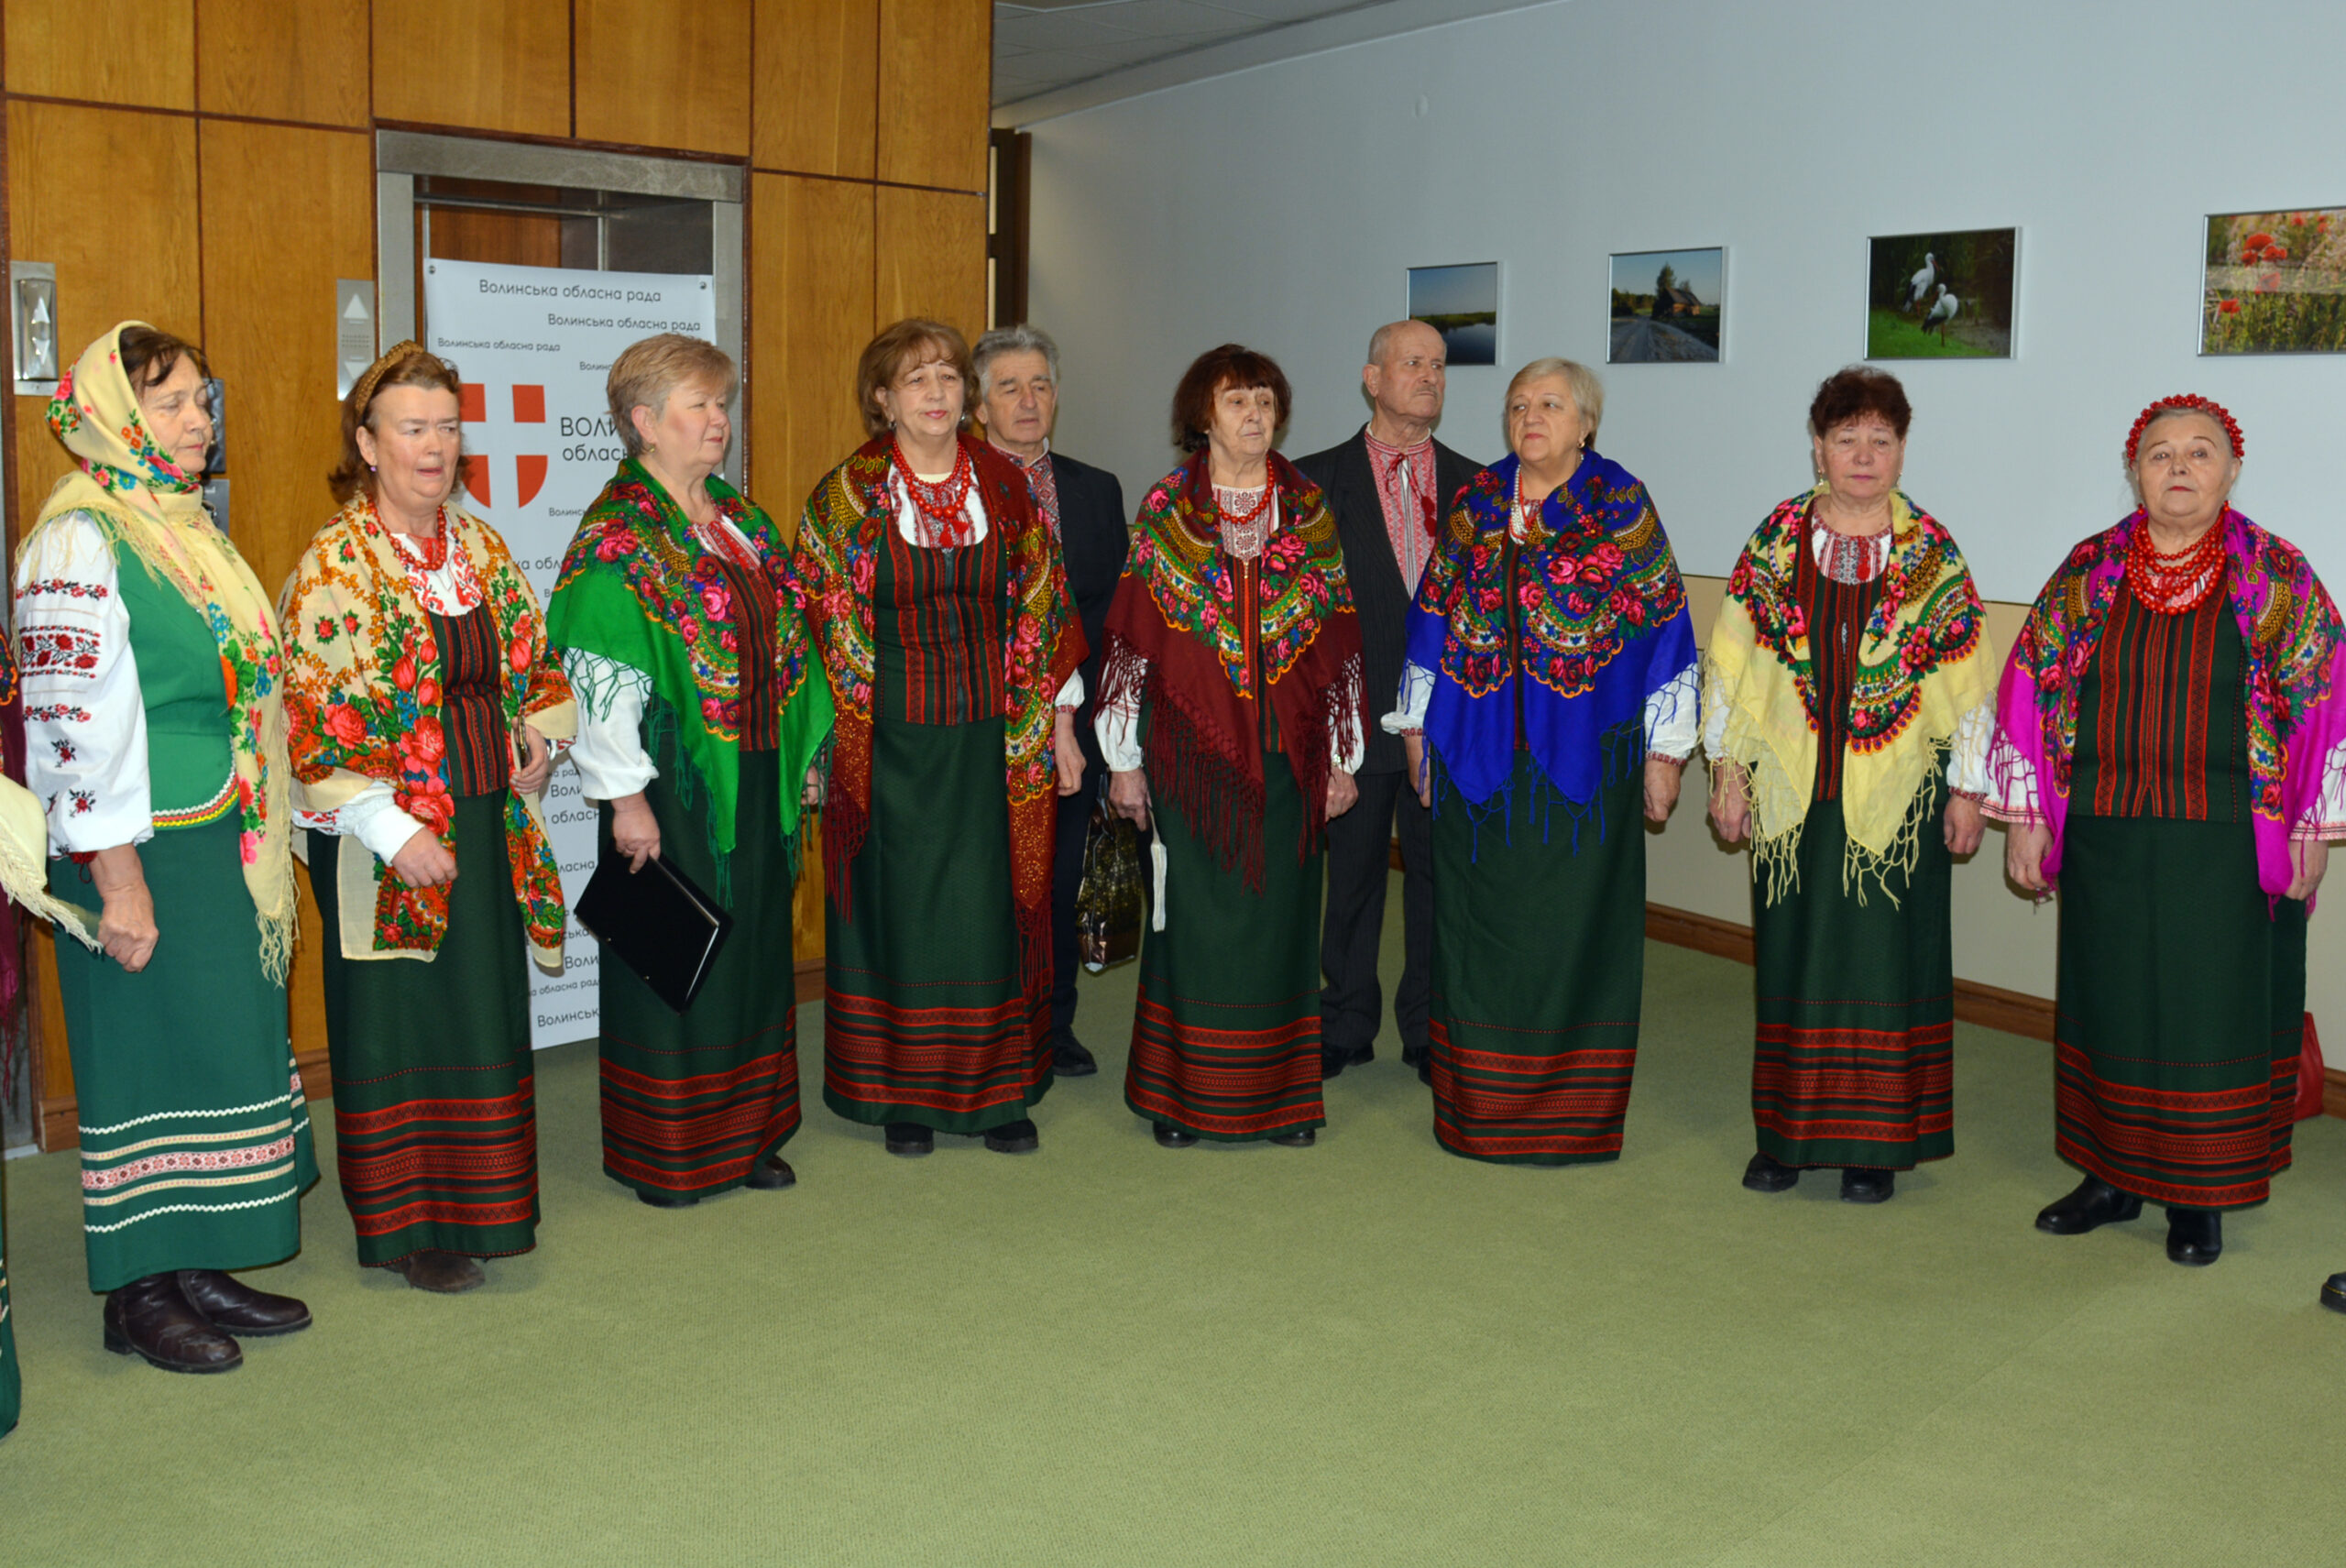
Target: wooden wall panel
<point>936,81</point>
<point>108,196</point>
<point>276,62</point>
<point>491,65</point>
<point>652,73</point>
<point>932,250</point>
<point>287,212</point>
<point>810,315</point>
<point>112,52</point>
<point>817,79</point>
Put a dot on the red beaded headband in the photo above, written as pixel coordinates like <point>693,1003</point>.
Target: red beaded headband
<point>2190,403</point>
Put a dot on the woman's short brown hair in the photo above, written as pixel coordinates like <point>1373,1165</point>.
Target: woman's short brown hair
<point>908,346</point>
<point>1231,366</point>
<point>647,371</point>
<point>1854,393</point>
<point>407,364</point>
<point>150,354</point>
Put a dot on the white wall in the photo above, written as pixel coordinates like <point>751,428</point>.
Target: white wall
<point>1280,206</point>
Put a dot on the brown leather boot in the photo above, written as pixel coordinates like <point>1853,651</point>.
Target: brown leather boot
<point>150,1318</point>
<point>447,1273</point>
<point>229,1304</point>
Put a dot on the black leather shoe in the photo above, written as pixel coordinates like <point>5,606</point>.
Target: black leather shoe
<point>1862,1184</point>
<point>1413,1055</point>
<point>1764,1175</point>
<point>1333,1062</point>
<point>2333,1292</point>
<point>1013,1137</point>
<point>234,1306</point>
<point>442,1273</point>
<point>2195,1237</point>
<point>771,1174</point>
<point>1173,1137</point>
<point>149,1317</point>
<point>2095,1203</point>
<point>910,1139</point>
<point>665,1200</point>
<point>1301,1138</point>
<point>1070,1059</point>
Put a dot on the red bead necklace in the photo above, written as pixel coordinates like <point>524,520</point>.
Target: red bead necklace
<point>435,549</point>
<point>2173,585</point>
<point>944,502</point>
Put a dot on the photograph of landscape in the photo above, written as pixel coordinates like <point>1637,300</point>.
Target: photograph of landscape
<point>1462,304</point>
<point>1666,306</point>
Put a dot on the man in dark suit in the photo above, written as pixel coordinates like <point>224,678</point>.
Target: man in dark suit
<point>1018,380</point>
<point>1390,487</point>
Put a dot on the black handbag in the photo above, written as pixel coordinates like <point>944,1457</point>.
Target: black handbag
<point>1109,901</point>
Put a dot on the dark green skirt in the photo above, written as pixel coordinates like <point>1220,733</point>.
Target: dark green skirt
<point>692,1101</point>
<point>434,1118</point>
<point>1855,1064</point>
<point>2181,1010</point>
<point>195,1134</point>
<point>12,1384</point>
<point>925,1016</point>
<point>1226,1036</point>
<point>1539,970</point>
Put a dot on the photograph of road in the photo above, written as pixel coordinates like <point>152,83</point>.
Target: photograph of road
<point>1666,306</point>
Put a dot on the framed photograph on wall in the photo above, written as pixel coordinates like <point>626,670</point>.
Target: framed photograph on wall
<point>2276,283</point>
<point>1668,307</point>
<point>1942,296</point>
<point>1461,302</point>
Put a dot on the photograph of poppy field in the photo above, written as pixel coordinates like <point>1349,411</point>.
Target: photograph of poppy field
<point>2276,283</point>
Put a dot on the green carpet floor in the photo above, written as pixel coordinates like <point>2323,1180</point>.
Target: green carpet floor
<point>1370,1352</point>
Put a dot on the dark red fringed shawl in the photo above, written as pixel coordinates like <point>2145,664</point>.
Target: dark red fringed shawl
<point>1178,639</point>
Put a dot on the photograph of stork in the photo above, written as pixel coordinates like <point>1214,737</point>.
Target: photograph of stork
<point>1942,296</point>
<point>1666,306</point>
<point>2276,283</point>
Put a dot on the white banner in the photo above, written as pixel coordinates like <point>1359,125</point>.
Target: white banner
<point>534,344</point>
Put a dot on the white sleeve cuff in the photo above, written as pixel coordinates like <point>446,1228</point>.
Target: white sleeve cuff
<point>374,818</point>
<point>1966,762</point>
<point>609,752</point>
<point>1117,728</point>
<point>1071,694</point>
<point>1671,723</point>
<point>1416,696</point>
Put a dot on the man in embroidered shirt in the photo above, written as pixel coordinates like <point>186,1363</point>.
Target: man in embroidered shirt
<point>1018,377</point>
<point>1390,487</point>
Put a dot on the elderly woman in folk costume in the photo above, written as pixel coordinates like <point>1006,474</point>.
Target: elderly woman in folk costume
<point>422,703</point>
<point>937,597</point>
<point>1847,711</point>
<point>2170,748</point>
<point>1232,704</point>
<point>680,629</point>
<point>155,735</point>
<point>1550,673</point>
